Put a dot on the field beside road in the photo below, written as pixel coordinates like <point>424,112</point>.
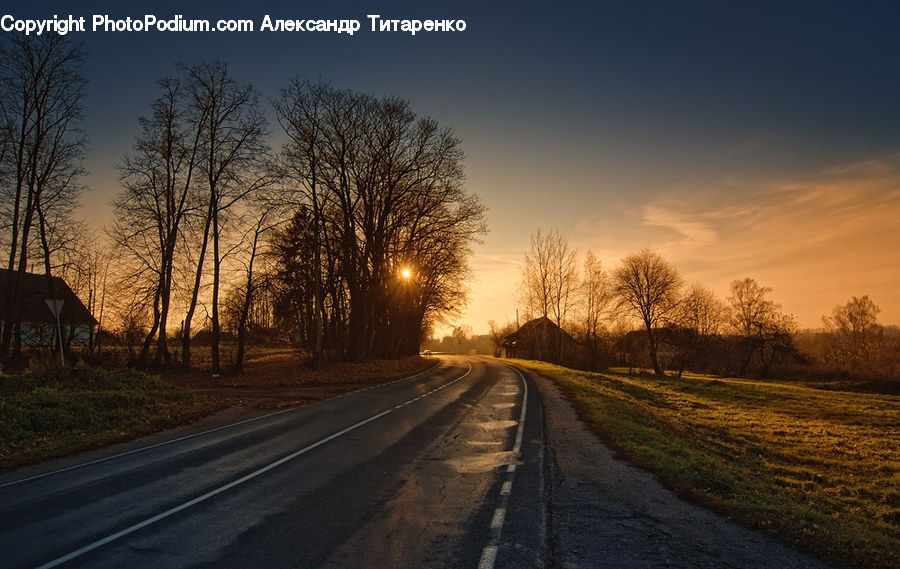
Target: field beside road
<point>50,412</point>
<point>54,412</point>
<point>818,469</point>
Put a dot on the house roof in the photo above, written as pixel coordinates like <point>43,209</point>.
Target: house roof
<point>34,291</point>
<point>533,328</point>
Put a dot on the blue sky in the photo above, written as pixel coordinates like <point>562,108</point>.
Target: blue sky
<point>739,139</point>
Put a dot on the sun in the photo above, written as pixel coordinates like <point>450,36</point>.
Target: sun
<point>406,274</point>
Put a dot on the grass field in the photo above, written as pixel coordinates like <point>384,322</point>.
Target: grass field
<point>818,469</point>
<point>55,412</point>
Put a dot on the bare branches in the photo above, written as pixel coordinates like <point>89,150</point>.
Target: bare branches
<point>383,191</point>
<point>41,147</point>
<point>549,276</point>
<point>647,285</point>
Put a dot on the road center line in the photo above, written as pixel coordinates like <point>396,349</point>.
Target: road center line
<point>184,506</point>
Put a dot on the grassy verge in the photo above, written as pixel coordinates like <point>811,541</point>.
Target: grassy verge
<point>60,411</point>
<point>818,469</point>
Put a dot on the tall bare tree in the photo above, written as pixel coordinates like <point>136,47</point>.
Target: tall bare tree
<point>302,113</point>
<point>252,282</point>
<point>151,209</point>
<point>549,276</point>
<point>595,300</point>
<point>41,99</point>
<point>232,165</point>
<point>649,287</point>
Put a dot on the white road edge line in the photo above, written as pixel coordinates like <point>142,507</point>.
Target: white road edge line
<point>518,446</point>
<point>488,557</point>
<point>489,553</point>
<point>186,437</point>
<point>152,520</point>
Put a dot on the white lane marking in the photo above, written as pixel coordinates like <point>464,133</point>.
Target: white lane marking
<point>489,553</point>
<point>497,520</point>
<point>200,434</point>
<point>488,556</point>
<point>161,516</point>
<point>518,446</point>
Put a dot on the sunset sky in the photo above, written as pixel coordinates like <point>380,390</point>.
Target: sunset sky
<point>738,139</point>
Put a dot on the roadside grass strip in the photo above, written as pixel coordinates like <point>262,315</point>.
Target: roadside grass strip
<point>818,469</point>
<point>48,415</point>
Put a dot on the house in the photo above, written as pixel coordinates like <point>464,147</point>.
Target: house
<point>540,339</point>
<point>31,309</point>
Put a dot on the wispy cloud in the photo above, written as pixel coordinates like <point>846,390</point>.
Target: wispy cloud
<point>816,241</point>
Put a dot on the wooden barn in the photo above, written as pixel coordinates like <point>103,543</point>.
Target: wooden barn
<point>540,339</point>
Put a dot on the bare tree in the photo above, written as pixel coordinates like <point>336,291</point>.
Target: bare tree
<point>252,280</point>
<point>84,265</point>
<point>550,280</point>
<point>499,333</point>
<point>549,276</point>
<point>41,100</point>
<point>301,111</point>
<point>596,297</point>
<point>232,162</point>
<point>855,336</point>
<point>649,288</point>
<point>765,331</point>
<point>696,323</point>
<point>151,209</point>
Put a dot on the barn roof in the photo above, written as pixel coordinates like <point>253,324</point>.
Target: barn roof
<point>537,327</point>
<point>31,306</point>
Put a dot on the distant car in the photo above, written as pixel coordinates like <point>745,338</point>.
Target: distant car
<point>426,353</point>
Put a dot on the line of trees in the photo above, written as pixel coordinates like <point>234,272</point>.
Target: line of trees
<point>378,192</point>
<point>689,327</point>
<point>351,240</point>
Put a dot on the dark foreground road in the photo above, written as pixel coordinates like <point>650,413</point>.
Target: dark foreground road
<point>439,470</point>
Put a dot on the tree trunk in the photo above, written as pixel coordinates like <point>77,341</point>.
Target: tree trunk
<point>651,343</point>
<point>186,329</point>
<point>214,352</point>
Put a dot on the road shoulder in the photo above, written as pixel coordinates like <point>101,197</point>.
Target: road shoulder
<point>605,512</point>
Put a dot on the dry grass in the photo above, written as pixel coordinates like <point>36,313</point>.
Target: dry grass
<point>55,412</point>
<point>818,469</point>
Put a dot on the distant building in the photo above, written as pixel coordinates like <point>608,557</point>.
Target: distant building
<point>38,322</point>
<point>540,339</point>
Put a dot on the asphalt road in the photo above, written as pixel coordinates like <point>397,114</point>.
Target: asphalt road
<point>444,469</point>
